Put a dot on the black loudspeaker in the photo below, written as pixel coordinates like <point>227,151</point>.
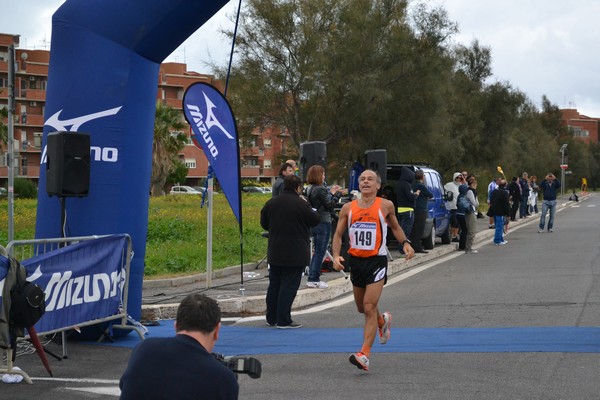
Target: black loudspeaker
<point>312,153</point>
<point>377,161</point>
<point>68,164</point>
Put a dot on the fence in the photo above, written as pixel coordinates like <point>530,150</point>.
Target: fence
<point>74,273</point>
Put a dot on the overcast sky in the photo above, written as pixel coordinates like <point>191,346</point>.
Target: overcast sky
<point>542,47</point>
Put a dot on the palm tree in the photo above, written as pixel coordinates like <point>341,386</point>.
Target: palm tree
<point>168,141</point>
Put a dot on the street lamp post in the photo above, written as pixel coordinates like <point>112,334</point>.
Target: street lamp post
<point>562,168</point>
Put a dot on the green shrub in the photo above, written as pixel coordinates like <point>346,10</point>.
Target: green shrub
<point>25,189</point>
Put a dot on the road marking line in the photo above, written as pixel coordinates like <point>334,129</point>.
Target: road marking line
<point>106,391</point>
<point>79,380</point>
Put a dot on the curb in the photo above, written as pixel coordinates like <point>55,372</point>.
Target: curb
<point>255,305</point>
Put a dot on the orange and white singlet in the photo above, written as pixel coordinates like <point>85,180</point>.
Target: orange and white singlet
<point>367,229</point>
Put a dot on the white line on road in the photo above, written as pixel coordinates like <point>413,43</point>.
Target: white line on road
<point>79,380</point>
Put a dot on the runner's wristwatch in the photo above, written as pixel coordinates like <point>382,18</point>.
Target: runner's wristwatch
<point>404,242</point>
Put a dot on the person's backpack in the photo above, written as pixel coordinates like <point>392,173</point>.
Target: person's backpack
<point>27,302</point>
<point>463,204</point>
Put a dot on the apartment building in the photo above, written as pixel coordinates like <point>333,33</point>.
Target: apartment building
<point>581,126</point>
<point>260,160</point>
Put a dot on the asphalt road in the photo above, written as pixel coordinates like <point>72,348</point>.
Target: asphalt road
<point>536,280</point>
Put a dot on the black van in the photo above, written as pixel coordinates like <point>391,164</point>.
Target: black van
<point>438,220</point>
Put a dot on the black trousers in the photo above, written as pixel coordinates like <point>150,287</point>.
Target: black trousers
<point>462,223</point>
<point>418,229</point>
<point>283,286</point>
<point>513,210</point>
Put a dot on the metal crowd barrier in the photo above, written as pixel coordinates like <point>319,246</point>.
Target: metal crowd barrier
<point>25,249</point>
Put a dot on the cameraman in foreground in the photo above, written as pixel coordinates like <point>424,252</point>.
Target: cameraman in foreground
<point>182,367</point>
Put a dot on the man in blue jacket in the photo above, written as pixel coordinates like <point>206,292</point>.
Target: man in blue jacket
<point>548,187</point>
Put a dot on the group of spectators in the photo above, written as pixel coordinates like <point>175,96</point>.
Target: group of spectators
<point>521,195</point>
<point>463,205</point>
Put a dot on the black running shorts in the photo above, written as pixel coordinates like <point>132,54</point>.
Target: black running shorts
<point>364,271</point>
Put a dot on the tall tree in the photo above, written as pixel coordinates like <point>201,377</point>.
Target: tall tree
<point>168,141</point>
<point>357,74</point>
<point>475,62</point>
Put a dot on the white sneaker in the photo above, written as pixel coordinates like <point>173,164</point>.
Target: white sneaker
<point>360,360</point>
<point>384,331</point>
<point>541,231</point>
<point>317,285</point>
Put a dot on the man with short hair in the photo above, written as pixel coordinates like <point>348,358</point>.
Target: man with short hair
<point>367,220</point>
<point>491,187</point>
<point>181,367</point>
<point>548,187</point>
<point>499,209</point>
<point>524,183</point>
<point>284,170</point>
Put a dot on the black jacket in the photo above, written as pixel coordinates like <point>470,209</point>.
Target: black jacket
<point>405,197</point>
<point>499,204</point>
<point>288,218</point>
<point>514,189</point>
<point>322,200</point>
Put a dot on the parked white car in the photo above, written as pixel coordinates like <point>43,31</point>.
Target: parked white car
<point>184,190</point>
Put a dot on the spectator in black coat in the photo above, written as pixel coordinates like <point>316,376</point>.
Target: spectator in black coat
<point>499,208</point>
<point>288,218</point>
<point>514,192</point>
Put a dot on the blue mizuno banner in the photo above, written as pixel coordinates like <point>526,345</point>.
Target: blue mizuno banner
<point>103,80</point>
<point>209,114</point>
<point>82,282</point>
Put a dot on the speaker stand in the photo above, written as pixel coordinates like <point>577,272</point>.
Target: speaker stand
<point>63,217</point>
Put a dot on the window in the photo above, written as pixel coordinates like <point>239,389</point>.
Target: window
<point>190,163</point>
<point>267,143</point>
<point>250,161</point>
<point>37,140</point>
<point>580,132</point>
<point>267,164</point>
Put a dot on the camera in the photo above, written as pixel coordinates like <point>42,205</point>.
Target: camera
<point>240,365</point>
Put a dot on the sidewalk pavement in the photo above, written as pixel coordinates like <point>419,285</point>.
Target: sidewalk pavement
<point>161,297</point>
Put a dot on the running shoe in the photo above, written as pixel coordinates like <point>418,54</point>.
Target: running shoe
<point>360,360</point>
<point>317,285</point>
<point>385,330</point>
<point>293,325</point>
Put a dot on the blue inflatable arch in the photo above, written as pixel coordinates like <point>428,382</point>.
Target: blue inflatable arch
<point>104,62</point>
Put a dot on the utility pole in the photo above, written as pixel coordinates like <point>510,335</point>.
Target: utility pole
<point>10,142</point>
<point>563,167</point>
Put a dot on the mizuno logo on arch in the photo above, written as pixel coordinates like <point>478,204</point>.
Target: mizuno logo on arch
<point>75,123</point>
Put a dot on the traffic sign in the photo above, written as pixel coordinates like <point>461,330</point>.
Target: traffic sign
<point>564,166</point>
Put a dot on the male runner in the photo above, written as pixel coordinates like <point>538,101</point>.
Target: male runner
<point>367,220</point>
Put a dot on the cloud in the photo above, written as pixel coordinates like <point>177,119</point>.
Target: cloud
<point>542,47</point>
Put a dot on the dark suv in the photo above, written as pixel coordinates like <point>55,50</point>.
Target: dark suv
<point>438,220</point>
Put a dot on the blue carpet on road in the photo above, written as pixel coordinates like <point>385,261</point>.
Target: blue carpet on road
<point>235,340</point>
